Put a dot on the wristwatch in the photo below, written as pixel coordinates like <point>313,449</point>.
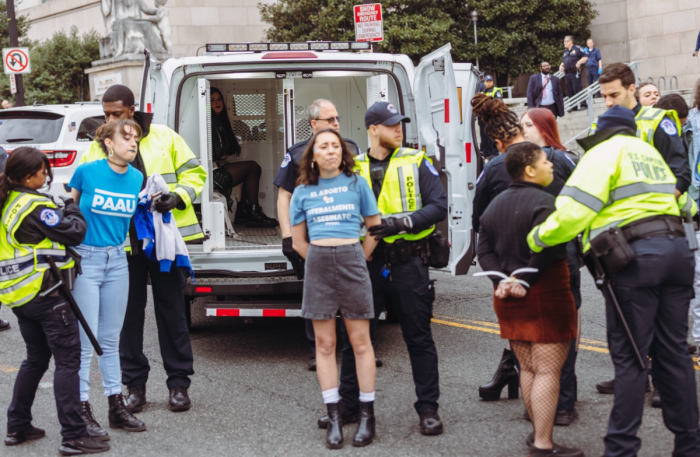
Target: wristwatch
<point>408,223</point>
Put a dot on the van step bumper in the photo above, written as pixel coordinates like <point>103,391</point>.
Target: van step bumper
<point>246,307</point>
<point>265,285</point>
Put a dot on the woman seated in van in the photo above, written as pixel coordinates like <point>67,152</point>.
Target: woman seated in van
<point>329,205</point>
<point>230,174</point>
<point>107,192</point>
<point>538,317</point>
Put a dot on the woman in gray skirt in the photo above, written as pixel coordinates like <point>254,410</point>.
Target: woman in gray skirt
<point>328,207</point>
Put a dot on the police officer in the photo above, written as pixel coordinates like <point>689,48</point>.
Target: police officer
<point>488,148</point>
<point>32,228</point>
<point>321,114</point>
<point>161,151</point>
<point>411,200</point>
<point>658,127</point>
<point>574,57</point>
<point>623,193</point>
<point>4,325</point>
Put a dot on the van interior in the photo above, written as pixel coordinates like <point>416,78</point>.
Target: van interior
<point>267,111</point>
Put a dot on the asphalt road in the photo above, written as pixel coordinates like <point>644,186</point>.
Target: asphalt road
<point>252,394</point>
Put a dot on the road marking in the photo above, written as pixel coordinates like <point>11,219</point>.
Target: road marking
<point>8,369</point>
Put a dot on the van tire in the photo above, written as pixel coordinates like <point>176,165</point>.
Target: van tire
<point>189,299</point>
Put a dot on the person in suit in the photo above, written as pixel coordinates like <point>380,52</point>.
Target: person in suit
<point>544,91</point>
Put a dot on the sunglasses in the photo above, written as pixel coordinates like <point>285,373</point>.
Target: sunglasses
<point>331,120</point>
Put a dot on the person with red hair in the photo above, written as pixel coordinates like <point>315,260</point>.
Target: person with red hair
<point>540,127</point>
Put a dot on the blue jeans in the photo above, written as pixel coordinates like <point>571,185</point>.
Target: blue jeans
<point>102,292</point>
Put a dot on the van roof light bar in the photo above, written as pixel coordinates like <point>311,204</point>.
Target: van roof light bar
<point>307,46</point>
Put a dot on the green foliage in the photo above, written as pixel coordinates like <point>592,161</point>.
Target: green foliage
<point>513,35</point>
<point>22,27</point>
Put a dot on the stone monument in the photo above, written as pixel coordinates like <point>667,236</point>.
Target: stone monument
<point>131,26</point>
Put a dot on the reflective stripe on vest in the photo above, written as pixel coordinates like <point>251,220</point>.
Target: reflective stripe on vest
<point>22,267</point>
<point>492,92</point>
<point>400,195</point>
<point>648,120</point>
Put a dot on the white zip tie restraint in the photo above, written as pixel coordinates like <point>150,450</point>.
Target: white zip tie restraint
<point>510,279</point>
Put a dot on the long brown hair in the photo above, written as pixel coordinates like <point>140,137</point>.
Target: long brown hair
<point>112,128</point>
<point>500,122</point>
<point>546,124</point>
<point>307,174</point>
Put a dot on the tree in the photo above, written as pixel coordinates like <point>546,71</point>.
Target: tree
<point>411,27</point>
<point>514,35</point>
<point>22,27</point>
<point>58,68</point>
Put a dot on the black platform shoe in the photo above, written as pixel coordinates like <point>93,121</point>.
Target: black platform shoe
<point>367,427</point>
<point>257,218</point>
<point>135,398</point>
<point>93,427</point>
<point>15,438</point>
<point>348,417</point>
<point>334,432</point>
<point>506,375</point>
<point>120,417</point>
<point>430,423</point>
<point>4,325</point>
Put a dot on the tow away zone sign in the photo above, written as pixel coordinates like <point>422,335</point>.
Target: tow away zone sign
<point>368,22</point>
<point>16,61</point>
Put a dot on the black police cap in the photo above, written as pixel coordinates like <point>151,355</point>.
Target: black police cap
<point>384,113</point>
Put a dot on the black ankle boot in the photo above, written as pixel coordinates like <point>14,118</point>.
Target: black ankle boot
<point>334,432</point>
<point>257,218</point>
<point>366,428</point>
<point>506,374</point>
<point>120,417</point>
<point>93,427</point>
<point>135,398</point>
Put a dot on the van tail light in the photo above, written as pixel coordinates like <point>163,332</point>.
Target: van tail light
<point>59,159</point>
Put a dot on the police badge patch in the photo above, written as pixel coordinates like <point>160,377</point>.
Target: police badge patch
<point>286,161</point>
<point>50,217</point>
<point>392,109</point>
<point>669,127</point>
<point>431,168</point>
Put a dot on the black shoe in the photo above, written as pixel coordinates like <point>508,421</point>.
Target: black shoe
<point>179,400</point>
<point>83,445</point>
<point>565,418</point>
<point>378,362</point>
<point>135,398</point>
<point>530,440</point>
<point>349,417</point>
<point>334,431</point>
<point>367,428</point>
<point>15,438</point>
<point>241,216</point>
<point>430,423</point>
<point>93,427</point>
<point>311,366</point>
<point>257,218</point>
<point>557,450</point>
<point>506,375</point>
<point>120,417</point>
<point>606,387</point>
<point>4,325</point>
<point>655,398</point>
<point>692,349</point>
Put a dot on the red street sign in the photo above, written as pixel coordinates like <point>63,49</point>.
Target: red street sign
<point>368,22</point>
<point>16,60</point>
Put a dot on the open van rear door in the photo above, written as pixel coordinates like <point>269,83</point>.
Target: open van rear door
<point>442,136</point>
<point>154,90</point>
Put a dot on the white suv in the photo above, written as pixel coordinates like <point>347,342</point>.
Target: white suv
<point>63,132</point>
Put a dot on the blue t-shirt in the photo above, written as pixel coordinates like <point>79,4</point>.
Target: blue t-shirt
<point>108,200</point>
<point>334,208</point>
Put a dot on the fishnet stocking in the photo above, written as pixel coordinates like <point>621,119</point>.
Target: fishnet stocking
<point>540,369</point>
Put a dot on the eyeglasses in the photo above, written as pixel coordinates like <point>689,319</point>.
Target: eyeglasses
<point>331,120</point>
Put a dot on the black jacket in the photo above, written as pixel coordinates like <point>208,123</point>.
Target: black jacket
<point>504,228</point>
<point>534,93</point>
<point>69,231</point>
<point>495,179</point>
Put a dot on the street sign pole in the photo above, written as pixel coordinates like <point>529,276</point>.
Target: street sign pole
<point>375,46</point>
<point>14,42</point>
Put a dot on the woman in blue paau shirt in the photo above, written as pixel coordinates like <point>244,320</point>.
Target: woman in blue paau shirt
<point>329,205</point>
<point>107,192</point>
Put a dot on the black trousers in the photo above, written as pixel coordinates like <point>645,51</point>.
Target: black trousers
<point>173,332</point>
<point>552,108</point>
<point>411,294</point>
<point>654,292</point>
<point>568,384</point>
<point>574,85</point>
<point>487,147</point>
<point>47,333</point>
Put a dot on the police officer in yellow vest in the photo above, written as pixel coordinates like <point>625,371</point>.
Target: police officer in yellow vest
<point>622,197</point>
<point>162,151</point>
<point>490,89</point>
<point>33,228</point>
<point>658,127</point>
<point>411,200</point>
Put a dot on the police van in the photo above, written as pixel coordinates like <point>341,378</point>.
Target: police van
<point>267,88</point>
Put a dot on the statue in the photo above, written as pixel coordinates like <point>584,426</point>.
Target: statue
<point>130,33</point>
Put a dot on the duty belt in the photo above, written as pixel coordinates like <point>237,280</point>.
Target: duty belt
<point>571,71</point>
<point>657,226</point>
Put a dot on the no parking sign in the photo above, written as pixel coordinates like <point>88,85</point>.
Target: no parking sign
<point>16,61</point>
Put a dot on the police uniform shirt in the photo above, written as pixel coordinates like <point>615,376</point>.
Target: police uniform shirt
<point>289,169</point>
<point>65,226</point>
<point>670,145</point>
<point>433,195</point>
<point>494,179</point>
<point>496,94</point>
<point>571,57</point>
